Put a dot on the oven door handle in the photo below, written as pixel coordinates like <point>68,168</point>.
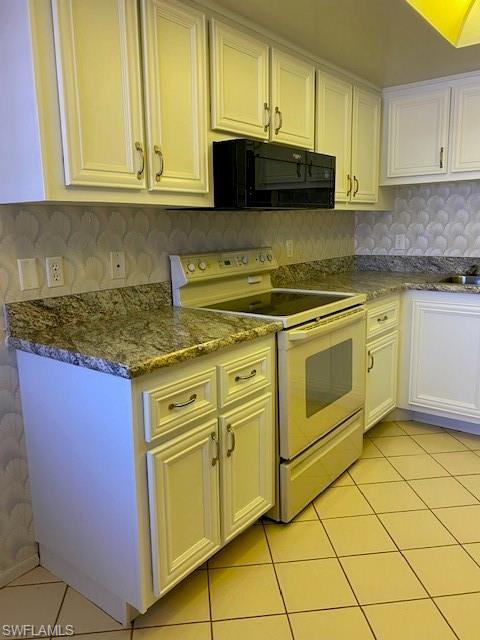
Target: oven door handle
<point>327,325</point>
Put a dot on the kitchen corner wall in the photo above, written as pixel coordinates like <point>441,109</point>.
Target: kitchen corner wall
<point>437,219</point>
<point>84,236</point>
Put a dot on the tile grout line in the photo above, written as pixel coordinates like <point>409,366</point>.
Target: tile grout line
<point>345,574</point>
<point>209,601</point>
<point>277,579</point>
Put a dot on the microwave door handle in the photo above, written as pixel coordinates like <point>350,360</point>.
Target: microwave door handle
<point>318,329</point>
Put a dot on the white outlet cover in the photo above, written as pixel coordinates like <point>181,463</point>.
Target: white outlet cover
<point>117,264</point>
<point>54,268</point>
<point>289,248</point>
<point>28,274</point>
<point>400,241</point>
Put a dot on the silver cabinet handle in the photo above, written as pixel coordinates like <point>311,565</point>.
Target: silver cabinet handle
<point>252,374</point>
<point>216,457</point>
<point>268,122</point>
<point>350,184</point>
<point>179,405</point>
<point>382,319</point>
<point>441,157</point>
<point>280,120</point>
<point>139,148</point>
<point>159,153</point>
<point>372,360</point>
<point>357,185</point>
<point>231,433</point>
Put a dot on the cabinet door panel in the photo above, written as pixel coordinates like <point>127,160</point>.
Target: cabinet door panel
<point>466,128</point>
<point>248,487</point>
<point>334,128</point>
<point>293,83</point>
<point>417,132</point>
<point>365,145</point>
<point>239,82</point>
<point>183,487</point>
<point>175,89</point>
<point>445,358</point>
<point>381,383</point>
<point>98,71</point>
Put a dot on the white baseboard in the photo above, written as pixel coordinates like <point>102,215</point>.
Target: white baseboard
<point>18,570</point>
<point>439,421</point>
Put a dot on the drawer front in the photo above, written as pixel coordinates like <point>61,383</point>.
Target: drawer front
<point>244,375</point>
<point>168,406</point>
<point>382,317</point>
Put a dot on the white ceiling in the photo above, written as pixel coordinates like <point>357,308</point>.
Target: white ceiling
<point>384,41</point>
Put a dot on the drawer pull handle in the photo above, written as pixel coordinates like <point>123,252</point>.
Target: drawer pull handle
<point>382,319</point>
<point>179,405</point>
<point>252,374</point>
<point>371,360</point>
<point>231,433</point>
<point>214,438</point>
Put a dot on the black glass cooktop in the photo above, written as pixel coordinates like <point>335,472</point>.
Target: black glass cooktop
<point>277,303</point>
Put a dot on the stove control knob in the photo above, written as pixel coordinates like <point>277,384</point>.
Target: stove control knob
<point>202,266</point>
<point>245,259</point>
<point>191,267</point>
<point>269,257</point>
<point>262,257</point>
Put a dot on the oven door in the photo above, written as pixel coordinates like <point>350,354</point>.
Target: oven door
<point>321,378</point>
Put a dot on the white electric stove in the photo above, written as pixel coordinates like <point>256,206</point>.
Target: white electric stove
<point>321,362</point>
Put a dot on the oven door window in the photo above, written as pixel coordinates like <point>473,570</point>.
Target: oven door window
<point>328,376</point>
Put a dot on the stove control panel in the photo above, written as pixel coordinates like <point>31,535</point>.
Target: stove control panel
<point>218,265</point>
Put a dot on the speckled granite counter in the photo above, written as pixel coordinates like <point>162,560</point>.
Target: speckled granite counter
<point>106,331</point>
<point>376,283</point>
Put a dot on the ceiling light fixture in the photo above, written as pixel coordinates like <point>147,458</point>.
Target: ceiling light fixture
<point>457,20</point>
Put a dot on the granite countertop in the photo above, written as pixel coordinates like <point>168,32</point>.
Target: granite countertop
<point>132,344</point>
<point>378,283</point>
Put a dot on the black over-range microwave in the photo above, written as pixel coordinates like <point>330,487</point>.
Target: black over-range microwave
<point>263,175</point>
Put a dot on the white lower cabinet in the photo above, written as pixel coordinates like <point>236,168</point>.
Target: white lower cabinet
<point>212,474</point>
<point>247,465</point>
<point>183,484</point>
<point>381,386</point>
<point>441,374</point>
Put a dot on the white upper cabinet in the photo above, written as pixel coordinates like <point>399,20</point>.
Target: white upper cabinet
<point>293,100</point>
<point>174,53</point>
<point>417,132</point>
<point>365,145</point>
<point>334,129</point>
<point>348,127</point>
<point>239,82</point>
<point>98,71</point>
<point>465,154</point>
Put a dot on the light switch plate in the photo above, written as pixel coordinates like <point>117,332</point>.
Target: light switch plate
<point>28,274</point>
<point>289,248</point>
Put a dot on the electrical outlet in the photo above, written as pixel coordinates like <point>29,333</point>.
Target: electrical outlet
<point>400,241</point>
<point>289,248</point>
<point>27,273</point>
<point>117,264</point>
<point>54,267</point>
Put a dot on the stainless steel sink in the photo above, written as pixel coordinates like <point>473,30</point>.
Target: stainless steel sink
<point>463,279</point>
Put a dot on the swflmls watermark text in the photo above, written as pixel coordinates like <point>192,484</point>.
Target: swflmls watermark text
<point>36,631</point>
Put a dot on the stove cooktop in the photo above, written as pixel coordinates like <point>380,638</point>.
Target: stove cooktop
<point>277,303</point>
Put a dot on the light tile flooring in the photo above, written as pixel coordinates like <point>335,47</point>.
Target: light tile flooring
<point>391,551</point>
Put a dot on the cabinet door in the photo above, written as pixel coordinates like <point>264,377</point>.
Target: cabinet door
<point>466,128</point>
<point>381,383</point>
<point>248,482</point>
<point>183,486</point>
<point>98,73</point>
<point>445,358</point>
<point>365,145</point>
<point>334,129</point>
<point>175,94</point>
<point>239,82</point>
<point>417,132</point>
<point>293,100</point>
